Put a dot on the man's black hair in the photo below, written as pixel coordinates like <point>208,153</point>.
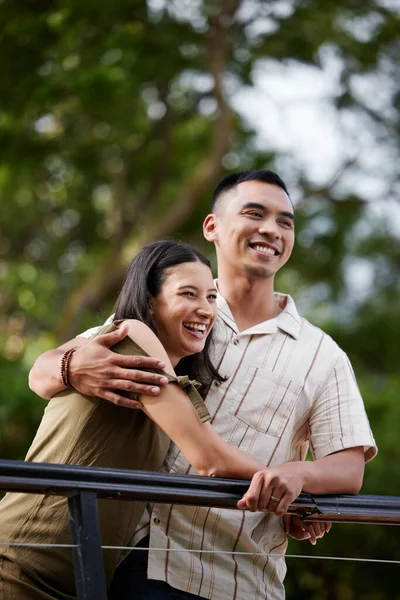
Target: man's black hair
<point>233,179</point>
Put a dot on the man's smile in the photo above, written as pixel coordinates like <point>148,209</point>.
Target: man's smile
<point>265,248</point>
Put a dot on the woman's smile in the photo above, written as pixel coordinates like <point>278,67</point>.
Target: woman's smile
<point>185,309</point>
<point>197,329</point>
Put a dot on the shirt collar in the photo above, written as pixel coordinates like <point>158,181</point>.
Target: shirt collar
<point>288,320</point>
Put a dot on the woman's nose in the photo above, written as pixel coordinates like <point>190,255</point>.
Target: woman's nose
<point>204,309</point>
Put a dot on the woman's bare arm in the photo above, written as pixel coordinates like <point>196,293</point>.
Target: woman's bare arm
<point>174,413</point>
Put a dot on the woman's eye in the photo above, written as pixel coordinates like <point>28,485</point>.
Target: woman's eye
<point>191,294</point>
<point>212,297</point>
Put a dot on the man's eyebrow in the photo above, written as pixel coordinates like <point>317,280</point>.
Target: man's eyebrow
<point>289,215</point>
<point>262,208</point>
<point>253,205</point>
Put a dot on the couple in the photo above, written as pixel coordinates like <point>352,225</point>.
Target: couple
<point>277,386</point>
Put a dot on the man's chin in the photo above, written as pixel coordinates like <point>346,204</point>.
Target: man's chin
<point>258,271</point>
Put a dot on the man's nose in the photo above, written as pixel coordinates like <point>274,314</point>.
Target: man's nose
<point>269,227</point>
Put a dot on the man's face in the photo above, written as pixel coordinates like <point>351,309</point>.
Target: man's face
<point>252,228</point>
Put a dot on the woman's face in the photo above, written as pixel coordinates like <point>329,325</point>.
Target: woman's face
<point>185,309</point>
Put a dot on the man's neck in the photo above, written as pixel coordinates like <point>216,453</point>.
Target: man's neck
<point>251,301</point>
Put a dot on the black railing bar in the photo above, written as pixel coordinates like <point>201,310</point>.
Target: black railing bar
<point>142,492</point>
<point>146,491</point>
<point>37,545</point>
<point>235,488</point>
<point>87,554</point>
<point>345,509</point>
<point>223,493</point>
<point>79,473</point>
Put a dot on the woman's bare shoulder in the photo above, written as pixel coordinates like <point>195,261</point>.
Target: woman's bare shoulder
<point>145,337</point>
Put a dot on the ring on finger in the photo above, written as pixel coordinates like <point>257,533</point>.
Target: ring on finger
<point>275,499</point>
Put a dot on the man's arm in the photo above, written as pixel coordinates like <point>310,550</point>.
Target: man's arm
<point>338,473</point>
<point>95,370</point>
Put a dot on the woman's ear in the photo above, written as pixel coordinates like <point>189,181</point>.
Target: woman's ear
<point>151,302</point>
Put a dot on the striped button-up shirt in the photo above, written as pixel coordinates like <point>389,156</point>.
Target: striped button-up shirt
<point>289,388</point>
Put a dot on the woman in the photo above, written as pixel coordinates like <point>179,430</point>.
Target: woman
<point>168,301</point>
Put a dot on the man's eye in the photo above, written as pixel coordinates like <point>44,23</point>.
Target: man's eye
<point>254,213</point>
<point>288,224</point>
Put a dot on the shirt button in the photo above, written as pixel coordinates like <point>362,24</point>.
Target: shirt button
<point>236,341</point>
<point>156,521</point>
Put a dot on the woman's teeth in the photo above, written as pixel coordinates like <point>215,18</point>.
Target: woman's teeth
<point>195,326</point>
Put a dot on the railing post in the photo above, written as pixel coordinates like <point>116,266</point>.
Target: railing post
<point>87,553</point>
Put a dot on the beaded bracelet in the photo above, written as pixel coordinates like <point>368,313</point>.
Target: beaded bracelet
<point>66,357</point>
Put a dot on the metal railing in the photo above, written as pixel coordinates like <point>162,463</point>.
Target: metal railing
<point>84,485</point>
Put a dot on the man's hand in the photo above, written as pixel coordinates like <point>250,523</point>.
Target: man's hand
<point>274,489</point>
<point>95,370</point>
<point>299,530</point>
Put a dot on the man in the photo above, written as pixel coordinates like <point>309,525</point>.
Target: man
<point>288,387</point>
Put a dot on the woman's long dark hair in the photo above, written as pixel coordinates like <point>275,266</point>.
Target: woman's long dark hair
<point>144,278</point>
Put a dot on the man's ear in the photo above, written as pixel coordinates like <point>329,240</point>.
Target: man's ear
<point>210,228</point>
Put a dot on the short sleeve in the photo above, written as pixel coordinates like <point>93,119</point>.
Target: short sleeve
<point>128,346</point>
<point>190,388</point>
<point>338,419</point>
<point>95,330</point>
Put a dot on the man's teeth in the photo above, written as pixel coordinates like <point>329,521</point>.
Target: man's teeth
<point>265,249</point>
<point>196,326</point>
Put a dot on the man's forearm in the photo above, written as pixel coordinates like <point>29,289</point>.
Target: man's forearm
<point>339,473</point>
<point>45,376</point>
<point>277,487</point>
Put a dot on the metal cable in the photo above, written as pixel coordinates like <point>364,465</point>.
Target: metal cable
<point>337,558</point>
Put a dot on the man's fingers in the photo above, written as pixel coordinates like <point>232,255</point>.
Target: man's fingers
<point>251,499</point>
<point>301,530</point>
<point>280,501</point>
<point>112,337</point>
<point>132,380</point>
<point>121,400</point>
<point>132,387</point>
<point>328,526</point>
<point>131,361</point>
<point>317,530</point>
<point>287,519</point>
<point>138,362</point>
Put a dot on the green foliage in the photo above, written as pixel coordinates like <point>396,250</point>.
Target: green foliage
<point>115,123</point>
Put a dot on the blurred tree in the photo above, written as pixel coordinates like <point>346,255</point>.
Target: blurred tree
<point>116,122</point>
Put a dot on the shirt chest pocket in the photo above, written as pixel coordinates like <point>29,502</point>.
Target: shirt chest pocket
<point>266,401</point>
